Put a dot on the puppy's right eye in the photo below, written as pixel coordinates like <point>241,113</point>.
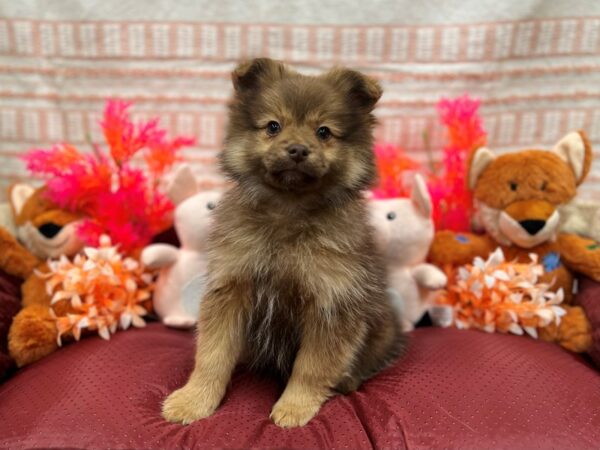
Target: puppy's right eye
<point>273,128</point>
<point>391,215</point>
<point>324,133</point>
<point>211,205</point>
<point>513,186</point>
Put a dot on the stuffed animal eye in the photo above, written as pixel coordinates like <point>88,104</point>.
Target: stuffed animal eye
<point>211,205</point>
<point>323,133</point>
<point>273,128</point>
<point>513,186</point>
<point>544,185</point>
<point>391,215</point>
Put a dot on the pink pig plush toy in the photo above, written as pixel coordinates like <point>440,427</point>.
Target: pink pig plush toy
<point>404,231</point>
<point>181,279</point>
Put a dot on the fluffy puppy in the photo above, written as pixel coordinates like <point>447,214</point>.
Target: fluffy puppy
<point>295,285</point>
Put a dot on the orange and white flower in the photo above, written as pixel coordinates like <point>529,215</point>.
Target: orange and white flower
<point>495,295</point>
<point>101,289</point>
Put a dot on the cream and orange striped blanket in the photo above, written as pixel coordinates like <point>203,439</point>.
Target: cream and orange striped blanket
<point>535,65</point>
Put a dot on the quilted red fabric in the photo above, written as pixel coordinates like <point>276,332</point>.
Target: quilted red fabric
<point>10,303</point>
<point>589,299</point>
<point>454,389</point>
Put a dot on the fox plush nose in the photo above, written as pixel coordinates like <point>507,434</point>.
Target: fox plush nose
<point>298,152</point>
<point>532,226</point>
<point>532,215</point>
<point>49,229</point>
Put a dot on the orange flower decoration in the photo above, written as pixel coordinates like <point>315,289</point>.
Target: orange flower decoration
<point>496,295</point>
<point>99,290</point>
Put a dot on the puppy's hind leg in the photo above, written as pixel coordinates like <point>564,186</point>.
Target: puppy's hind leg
<point>325,359</point>
<point>219,345</point>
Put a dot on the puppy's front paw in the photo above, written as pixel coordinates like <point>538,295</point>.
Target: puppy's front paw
<point>185,405</point>
<point>288,415</point>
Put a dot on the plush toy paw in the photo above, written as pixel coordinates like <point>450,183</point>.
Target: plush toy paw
<point>32,335</point>
<point>188,404</point>
<point>573,333</point>
<point>14,258</point>
<point>430,277</point>
<point>288,414</point>
<point>450,248</point>
<point>175,321</point>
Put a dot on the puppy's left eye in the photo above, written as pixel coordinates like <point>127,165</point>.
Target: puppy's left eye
<point>273,128</point>
<point>323,133</point>
<point>211,205</point>
<point>391,215</point>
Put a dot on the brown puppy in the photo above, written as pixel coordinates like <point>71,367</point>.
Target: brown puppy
<point>295,284</point>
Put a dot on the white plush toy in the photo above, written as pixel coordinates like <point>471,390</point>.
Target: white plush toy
<point>582,217</point>
<point>180,282</point>
<point>404,231</point>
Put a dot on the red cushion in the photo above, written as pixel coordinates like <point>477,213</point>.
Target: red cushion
<point>455,388</point>
<point>589,299</point>
<point>10,303</point>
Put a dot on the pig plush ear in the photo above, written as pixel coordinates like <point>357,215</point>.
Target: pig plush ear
<point>183,185</point>
<point>482,158</point>
<point>420,196</point>
<point>576,151</point>
<point>18,195</point>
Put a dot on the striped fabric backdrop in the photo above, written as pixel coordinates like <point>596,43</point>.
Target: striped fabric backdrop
<point>535,65</point>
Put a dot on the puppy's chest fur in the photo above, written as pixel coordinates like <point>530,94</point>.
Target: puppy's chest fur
<point>278,262</point>
<point>274,326</point>
<point>297,266</point>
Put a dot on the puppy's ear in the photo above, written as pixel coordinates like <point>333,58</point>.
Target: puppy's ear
<point>482,157</point>
<point>251,74</point>
<point>363,90</point>
<point>576,151</point>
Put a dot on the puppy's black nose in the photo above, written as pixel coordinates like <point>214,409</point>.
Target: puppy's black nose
<point>298,152</point>
<point>49,229</point>
<point>532,226</point>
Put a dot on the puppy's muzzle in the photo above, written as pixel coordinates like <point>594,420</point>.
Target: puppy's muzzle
<point>298,152</point>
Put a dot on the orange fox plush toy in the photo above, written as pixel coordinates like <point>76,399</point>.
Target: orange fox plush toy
<point>43,231</point>
<point>517,196</point>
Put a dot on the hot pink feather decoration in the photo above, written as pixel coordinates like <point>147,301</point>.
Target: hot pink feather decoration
<point>113,195</point>
<point>447,180</point>
<point>393,166</point>
<point>451,197</point>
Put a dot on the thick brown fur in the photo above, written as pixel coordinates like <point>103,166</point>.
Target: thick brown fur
<point>296,286</point>
<point>524,186</point>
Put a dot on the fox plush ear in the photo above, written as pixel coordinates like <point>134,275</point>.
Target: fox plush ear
<point>576,151</point>
<point>250,74</point>
<point>482,157</point>
<point>420,196</point>
<point>18,195</point>
<point>183,185</point>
